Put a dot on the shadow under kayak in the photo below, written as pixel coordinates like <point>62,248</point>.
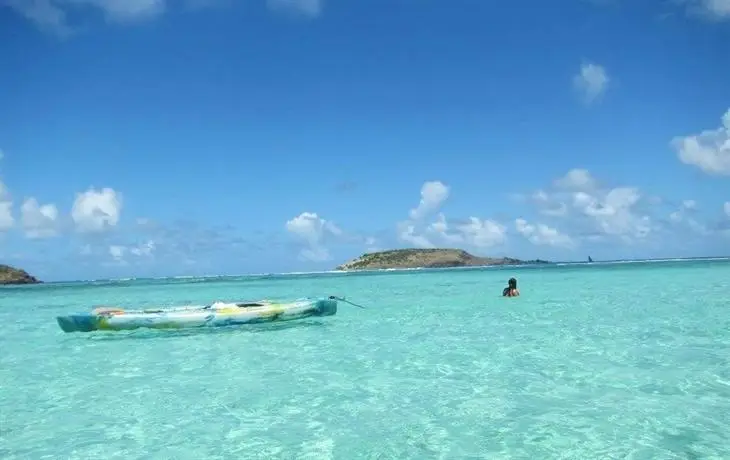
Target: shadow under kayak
<point>219,314</point>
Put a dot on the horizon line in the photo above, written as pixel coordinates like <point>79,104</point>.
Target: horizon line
<point>333,272</point>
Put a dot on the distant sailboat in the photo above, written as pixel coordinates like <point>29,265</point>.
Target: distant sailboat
<point>589,259</point>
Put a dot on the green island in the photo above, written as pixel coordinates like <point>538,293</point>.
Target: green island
<point>12,275</point>
<point>428,258</point>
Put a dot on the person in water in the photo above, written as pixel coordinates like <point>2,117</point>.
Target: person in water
<point>511,289</point>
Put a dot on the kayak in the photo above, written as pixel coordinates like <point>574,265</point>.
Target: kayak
<point>196,316</point>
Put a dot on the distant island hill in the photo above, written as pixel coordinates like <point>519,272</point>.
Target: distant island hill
<point>12,275</point>
<point>428,258</point>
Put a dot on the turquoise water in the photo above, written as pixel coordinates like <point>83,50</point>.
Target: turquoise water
<point>592,362</point>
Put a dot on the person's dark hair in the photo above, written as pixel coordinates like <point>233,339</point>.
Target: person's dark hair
<point>512,283</point>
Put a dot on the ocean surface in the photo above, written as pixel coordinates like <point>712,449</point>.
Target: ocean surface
<point>593,361</point>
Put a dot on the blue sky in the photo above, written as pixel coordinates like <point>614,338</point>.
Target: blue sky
<point>152,137</point>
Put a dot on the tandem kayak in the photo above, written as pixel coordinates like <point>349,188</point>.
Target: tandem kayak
<point>216,315</point>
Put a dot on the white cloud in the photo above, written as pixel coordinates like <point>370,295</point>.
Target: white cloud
<point>712,9</point>
<point>726,208</point>
<point>614,212</point>
<point>689,204</point>
<point>38,221</point>
<point>96,211</point>
<point>547,207</point>
<point>120,253</point>
<point>53,15</point>
<point>575,179</point>
<point>144,249</point>
<point>709,150</point>
<point>313,230</point>
<point>475,232</point>
<point>592,81</point>
<point>407,234</point>
<point>683,216</point>
<point>718,8</point>
<point>46,14</point>
<point>610,212</point>
<point>483,233</point>
<point>57,16</point>
<point>117,252</point>
<point>433,195</point>
<point>7,221</point>
<point>310,8</point>
<point>542,234</point>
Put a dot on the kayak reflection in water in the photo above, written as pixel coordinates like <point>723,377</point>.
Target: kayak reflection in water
<point>511,289</point>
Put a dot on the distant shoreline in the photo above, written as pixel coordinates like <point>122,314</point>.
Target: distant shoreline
<point>428,258</point>
<point>224,277</point>
<point>12,276</point>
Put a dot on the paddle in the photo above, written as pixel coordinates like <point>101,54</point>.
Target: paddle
<point>342,299</point>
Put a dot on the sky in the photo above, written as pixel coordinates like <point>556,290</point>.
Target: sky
<point>163,138</point>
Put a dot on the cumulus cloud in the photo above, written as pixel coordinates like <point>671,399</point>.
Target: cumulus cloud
<point>7,221</point>
<point>145,249</point>
<point>541,234</point>
<point>39,221</point>
<point>119,253</point>
<point>605,212</point>
<point>433,195</point>
<point>577,179</point>
<point>407,234</point>
<point>482,233</point>
<point>591,82</point>
<point>547,206</point>
<point>708,150</point>
<point>474,232</point>
<point>684,216</point>
<point>312,230</point>
<point>96,211</point>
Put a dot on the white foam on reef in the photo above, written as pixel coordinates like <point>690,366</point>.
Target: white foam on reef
<point>643,261</point>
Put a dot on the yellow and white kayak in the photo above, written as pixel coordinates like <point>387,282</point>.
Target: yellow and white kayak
<point>218,314</point>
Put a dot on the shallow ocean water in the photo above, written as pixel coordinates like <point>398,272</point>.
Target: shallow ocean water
<point>604,361</point>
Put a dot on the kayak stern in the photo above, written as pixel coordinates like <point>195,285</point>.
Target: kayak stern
<point>77,323</point>
<point>326,307</point>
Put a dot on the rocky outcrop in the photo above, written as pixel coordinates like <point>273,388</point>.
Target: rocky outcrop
<point>427,258</point>
<point>11,275</point>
